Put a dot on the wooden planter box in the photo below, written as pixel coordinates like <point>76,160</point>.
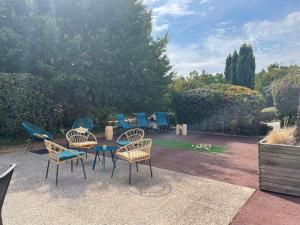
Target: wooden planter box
<point>279,168</point>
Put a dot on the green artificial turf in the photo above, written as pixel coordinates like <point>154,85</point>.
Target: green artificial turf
<point>182,145</point>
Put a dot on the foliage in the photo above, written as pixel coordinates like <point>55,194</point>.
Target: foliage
<point>227,69</point>
<point>268,114</point>
<point>23,98</point>
<point>281,136</point>
<point>286,92</point>
<point>264,79</point>
<point>195,80</point>
<point>246,67</point>
<point>233,68</point>
<point>220,108</point>
<point>93,57</point>
<point>240,68</point>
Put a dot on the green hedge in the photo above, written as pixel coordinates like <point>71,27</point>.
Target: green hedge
<point>221,108</point>
<point>286,96</point>
<point>268,114</point>
<point>24,98</point>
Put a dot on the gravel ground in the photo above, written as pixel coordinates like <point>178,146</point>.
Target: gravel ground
<point>168,198</point>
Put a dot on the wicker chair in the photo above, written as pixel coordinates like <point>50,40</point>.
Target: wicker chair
<point>134,152</point>
<point>130,136</point>
<point>81,139</point>
<point>84,122</point>
<point>36,134</point>
<point>59,154</point>
<point>4,183</point>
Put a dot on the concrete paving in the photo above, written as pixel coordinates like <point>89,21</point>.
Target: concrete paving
<point>167,198</point>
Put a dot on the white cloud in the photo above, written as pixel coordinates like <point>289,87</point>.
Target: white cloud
<point>160,28</point>
<point>203,1</point>
<point>273,41</point>
<point>174,7</point>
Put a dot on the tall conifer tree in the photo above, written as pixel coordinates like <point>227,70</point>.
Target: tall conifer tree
<point>227,68</point>
<point>246,67</point>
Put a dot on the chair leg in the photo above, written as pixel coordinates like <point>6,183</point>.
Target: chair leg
<point>47,168</point>
<point>83,168</point>
<point>137,167</point>
<point>86,154</point>
<point>95,159</point>
<point>71,165</point>
<point>28,147</point>
<point>112,156</point>
<point>77,162</point>
<point>56,174</point>
<point>150,167</point>
<point>103,162</point>
<point>114,167</point>
<point>129,173</point>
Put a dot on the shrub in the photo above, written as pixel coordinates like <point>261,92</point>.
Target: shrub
<point>286,96</point>
<point>282,136</point>
<point>268,114</point>
<point>220,108</point>
<point>24,98</point>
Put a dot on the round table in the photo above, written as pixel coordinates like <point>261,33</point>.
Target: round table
<point>103,149</point>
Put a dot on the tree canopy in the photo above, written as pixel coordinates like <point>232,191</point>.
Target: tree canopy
<point>94,55</point>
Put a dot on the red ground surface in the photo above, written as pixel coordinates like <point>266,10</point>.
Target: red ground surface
<point>238,165</point>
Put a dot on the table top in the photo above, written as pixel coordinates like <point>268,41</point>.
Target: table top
<point>108,148</point>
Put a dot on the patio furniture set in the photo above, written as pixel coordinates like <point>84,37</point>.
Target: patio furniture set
<point>130,146</point>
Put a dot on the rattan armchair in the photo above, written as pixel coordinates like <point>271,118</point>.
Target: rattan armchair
<point>130,136</point>
<point>82,139</point>
<point>59,154</point>
<point>134,152</point>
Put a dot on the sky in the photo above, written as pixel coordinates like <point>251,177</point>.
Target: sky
<point>203,32</point>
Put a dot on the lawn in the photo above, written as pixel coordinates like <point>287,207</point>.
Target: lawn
<point>182,145</point>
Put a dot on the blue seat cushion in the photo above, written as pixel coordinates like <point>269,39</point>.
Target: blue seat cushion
<point>65,155</point>
<point>122,143</point>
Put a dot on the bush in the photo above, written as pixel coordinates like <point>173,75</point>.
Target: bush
<point>283,136</point>
<point>25,98</point>
<point>220,108</point>
<point>268,114</point>
<point>286,96</point>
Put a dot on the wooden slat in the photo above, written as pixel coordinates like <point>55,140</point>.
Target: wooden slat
<point>279,169</point>
<point>281,181</point>
<point>285,163</point>
<point>288,176</point>
<point>280,149</point>
<point>279,190</point>
<point>281,186</point>
<point>279,156</point>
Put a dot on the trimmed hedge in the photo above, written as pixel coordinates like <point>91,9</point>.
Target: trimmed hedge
<point>286,96</point>
<point>221,108</point>
<point>25,98</point>
<point>268,114</point>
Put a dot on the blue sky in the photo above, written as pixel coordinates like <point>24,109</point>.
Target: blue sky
<point>203,32</point>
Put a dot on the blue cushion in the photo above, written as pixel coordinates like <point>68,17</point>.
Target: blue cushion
<point>122,143</point>
<point>65,155</point>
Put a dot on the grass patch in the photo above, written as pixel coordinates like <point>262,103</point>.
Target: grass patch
<point>182,145</point>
